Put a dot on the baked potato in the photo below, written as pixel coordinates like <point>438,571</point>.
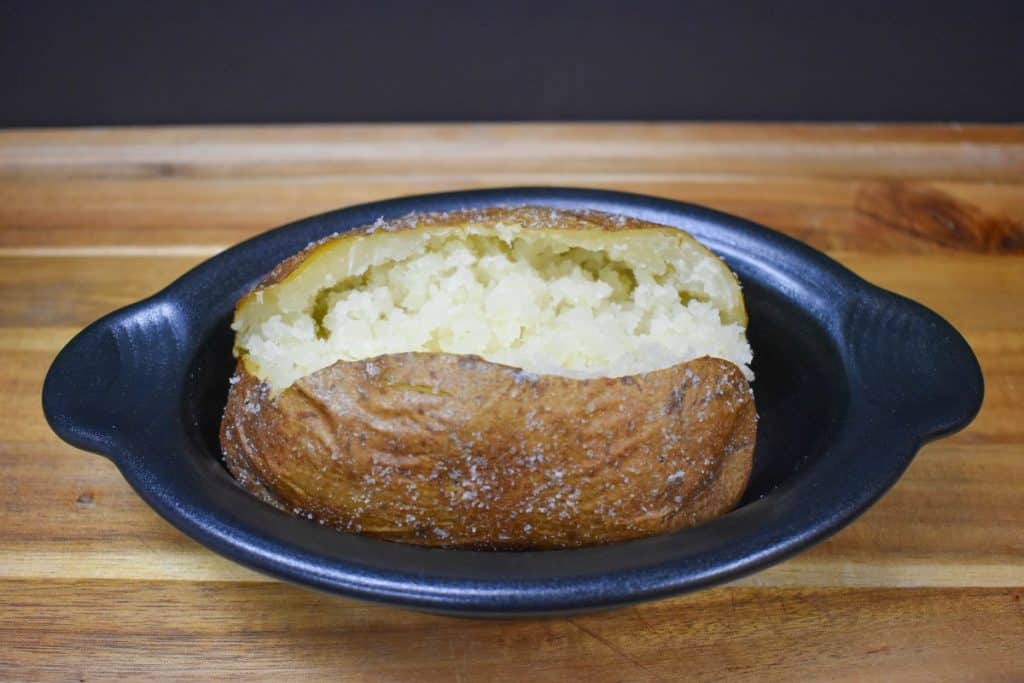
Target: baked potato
<point>509,378</point>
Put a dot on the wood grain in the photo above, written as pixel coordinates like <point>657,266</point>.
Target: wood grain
<point>926,585</point>
<point>828,213</point>
<point>223,631</point>
<point>939,217</point>
<point>987,153</point>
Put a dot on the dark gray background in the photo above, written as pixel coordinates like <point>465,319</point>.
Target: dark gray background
<point>72,63</point>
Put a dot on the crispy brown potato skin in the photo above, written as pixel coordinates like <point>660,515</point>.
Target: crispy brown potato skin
<point>447,450</point>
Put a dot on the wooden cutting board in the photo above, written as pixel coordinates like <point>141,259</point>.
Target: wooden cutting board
<point>927,585</point>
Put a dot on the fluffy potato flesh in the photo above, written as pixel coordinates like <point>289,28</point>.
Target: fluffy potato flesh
<point>582,302</point>
<point>509,378</point>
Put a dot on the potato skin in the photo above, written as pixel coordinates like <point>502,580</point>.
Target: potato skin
<point>450,450</point>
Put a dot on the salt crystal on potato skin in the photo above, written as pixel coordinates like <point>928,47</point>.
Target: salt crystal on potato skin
<point>455,450</point>
<point>373,453</point>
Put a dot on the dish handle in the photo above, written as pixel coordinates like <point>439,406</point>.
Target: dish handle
<point>108,381</point>
<point>913,365</point>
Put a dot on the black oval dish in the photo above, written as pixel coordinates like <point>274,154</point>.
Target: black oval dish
<point>851,381</point>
